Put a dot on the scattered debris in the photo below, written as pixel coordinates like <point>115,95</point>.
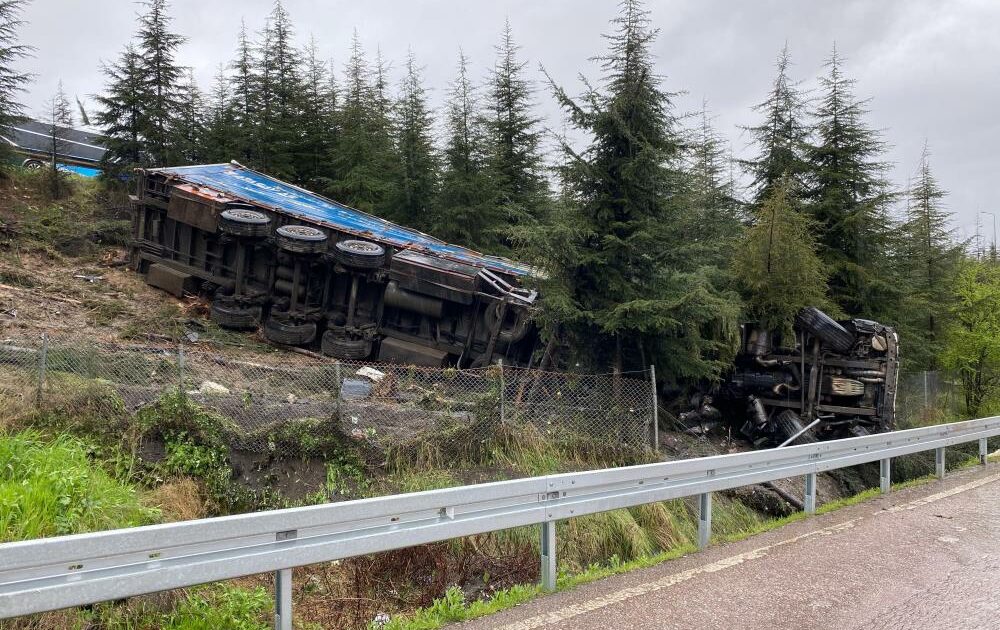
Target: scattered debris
<point>371,373</point>
<point>211,388</point>
<point>89,278</point>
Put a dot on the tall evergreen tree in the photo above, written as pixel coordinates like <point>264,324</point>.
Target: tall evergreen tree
<point>59,118</point>
<point>418,166</point>
<point>848,197</point>
<point>780,138</point>
<point>318,128</point>
<point>363,161</point>
<point>514,162</point>
<point>12,81</point>
<point>280,90</point>
<point>713,216</point>
<point>928,260</point>
<point>462,211</point>
<point>245,99</point>
<point>121,113</point>
<point>620,280</point>
<point>220,135</point>
<point>157,47</point>
<point>188,122</point>
<point>776,265</point>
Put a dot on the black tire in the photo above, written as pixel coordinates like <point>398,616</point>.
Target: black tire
<point>833,335</point>
<point>244,222</point>
<point>33,164</point>
<point>334,345</point>
<point>787,424</point>
<point>300,239</point>
<point>359,254</point>
<point>287,332</point>
<point>228,314</point>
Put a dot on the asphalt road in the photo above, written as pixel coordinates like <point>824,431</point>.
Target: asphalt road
<point>925,557</point>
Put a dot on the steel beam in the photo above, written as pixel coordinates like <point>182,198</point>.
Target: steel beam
<point>704,519</point>
<point>548,555</point>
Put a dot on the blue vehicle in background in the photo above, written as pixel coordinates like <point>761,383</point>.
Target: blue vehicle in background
<point>79,151</point>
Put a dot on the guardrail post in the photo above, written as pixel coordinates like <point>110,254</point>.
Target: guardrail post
<point>939,462</point>
<point>885,475</point>
<point>283,599</point>
<point>549,555</point>
<point>982,451</point>
<point>810,498</point>
<point>656,410</point>
<point>704,519</point>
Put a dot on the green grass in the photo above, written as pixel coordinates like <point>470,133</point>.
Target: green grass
<point>50,486</point>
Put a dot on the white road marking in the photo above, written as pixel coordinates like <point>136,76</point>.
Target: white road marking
<point>575,610</point>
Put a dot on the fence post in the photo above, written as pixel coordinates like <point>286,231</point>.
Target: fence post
<point>283,599</point>
<point>180,370</point>
<point>983,451</point>
<point>549,555</point>
<point>939,462</point>
<point>340,390</point>
<point>43,358</point>
<point>810,497</point>
<point>885,475</point>
<point>656,410</point>
<point>503,395</point>
<point>704,519</point>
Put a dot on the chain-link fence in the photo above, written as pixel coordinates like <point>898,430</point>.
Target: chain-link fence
<point>928,397</point>
<point>295,405</point>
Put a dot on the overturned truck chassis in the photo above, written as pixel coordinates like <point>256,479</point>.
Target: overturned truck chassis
<point>314,273</point>
<point>830,380</point>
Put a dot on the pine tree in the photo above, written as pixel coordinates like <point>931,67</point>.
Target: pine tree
<point>363,161</point>
<point>188,123</point>
<point>157,47</point>
<point>848,198</point>
<point>121,113</point>
<point>59,118</point>
<point>12,82</point>
<point>781,138</point>
<point>279,88</point>
<point>928,260</point>
<point>776,264</point>
<point>462,212</point>
<point>418,166</point>
<point>513,162</point>
<point>245,99</point>
<point>620,280</point>
<point>713,216</point>
<point>220,136</point>
<point>318,133</point>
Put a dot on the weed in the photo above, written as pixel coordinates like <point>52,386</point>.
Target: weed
<point>51,487</point>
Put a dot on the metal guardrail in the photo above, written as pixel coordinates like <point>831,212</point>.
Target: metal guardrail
<point>53,573</point>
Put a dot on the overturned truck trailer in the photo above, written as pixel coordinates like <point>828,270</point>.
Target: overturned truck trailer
<point>315,273</point>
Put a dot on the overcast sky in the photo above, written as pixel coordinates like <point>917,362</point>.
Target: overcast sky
<point>931,67</point>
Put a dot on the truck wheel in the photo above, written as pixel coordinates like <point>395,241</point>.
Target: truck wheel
<point>300,239</point>
<point>832,334</point>
<point>244,222</point>
<point>339,347</point>
<point>787,424</point>
<point>280,330</point>
<point>227,314</point>
<point>359,254</point>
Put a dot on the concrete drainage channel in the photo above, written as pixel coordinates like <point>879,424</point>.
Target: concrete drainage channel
<point>54,573</point>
